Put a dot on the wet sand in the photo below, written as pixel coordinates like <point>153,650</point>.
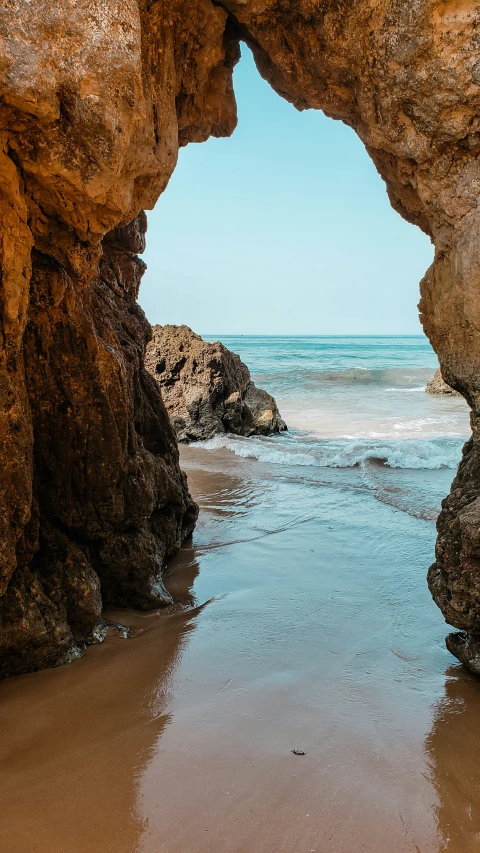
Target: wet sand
<point>303,622</point>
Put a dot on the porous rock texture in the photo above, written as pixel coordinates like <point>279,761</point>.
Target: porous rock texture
<point>96,98</point>
<point>206,388</point>
<point>109,501</point>
<point>437,385</point>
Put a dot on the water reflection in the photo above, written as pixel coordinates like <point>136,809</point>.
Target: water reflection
<point>453,748</point>
<point>75,741</point>
<point>224,494</point>
<point>311,641</point>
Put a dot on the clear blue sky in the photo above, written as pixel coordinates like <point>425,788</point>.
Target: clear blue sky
<point>285,228</point>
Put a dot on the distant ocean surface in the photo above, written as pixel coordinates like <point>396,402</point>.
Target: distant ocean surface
<point>356,403</point>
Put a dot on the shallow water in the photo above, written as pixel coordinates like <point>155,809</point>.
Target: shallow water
<point>368,392</point>
<point>356,403</point>
<point>303,621</point>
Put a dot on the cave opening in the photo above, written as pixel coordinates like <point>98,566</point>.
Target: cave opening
<point>283,228</point>
<point>276,232</point>
<point>287,684</point>
<point>283,231</point>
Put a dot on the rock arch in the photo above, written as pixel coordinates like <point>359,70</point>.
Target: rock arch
<point>97,97</point>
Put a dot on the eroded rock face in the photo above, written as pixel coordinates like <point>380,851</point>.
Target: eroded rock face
<point>437,385</point>
<point>206,388</point>
<point>96,99</point>
<point>454,579</point>
<point>97,96</point>
<point>110,503</point>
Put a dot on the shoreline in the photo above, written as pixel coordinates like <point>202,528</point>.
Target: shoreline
<point>290,631</point>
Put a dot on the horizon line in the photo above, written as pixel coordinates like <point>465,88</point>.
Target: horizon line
<point>316,335</point>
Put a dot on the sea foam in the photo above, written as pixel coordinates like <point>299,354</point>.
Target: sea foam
<point>343,453</point>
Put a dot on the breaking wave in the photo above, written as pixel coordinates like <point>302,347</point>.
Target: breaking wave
<point>396,377</point>
<point>430,454</point>
<point>391,377</point>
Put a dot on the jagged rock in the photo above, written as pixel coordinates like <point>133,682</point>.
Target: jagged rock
<point>110,503</point>
<point>454,578</point>
<point>437,385</point>
<point>206,388</point>
<point>96,98</point>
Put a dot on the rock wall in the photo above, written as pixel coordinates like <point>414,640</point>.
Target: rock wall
<point>97,96</point>
<point>206,388</point>
<point>96,99</point>
<point>109,502</point>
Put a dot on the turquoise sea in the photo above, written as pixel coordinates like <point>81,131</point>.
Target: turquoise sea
<point>358,404</point>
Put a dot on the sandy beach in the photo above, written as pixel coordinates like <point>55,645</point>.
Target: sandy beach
<point>239,527</point>
<point>303,622</point>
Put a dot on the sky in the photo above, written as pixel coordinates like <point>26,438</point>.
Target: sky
<point>284,228</point>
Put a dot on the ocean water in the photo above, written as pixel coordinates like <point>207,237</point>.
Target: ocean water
<point>358,404</point>
<point>302,621</point>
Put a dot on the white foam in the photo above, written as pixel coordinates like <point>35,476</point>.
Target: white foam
<point>416,390</point>
<point>420,453</point>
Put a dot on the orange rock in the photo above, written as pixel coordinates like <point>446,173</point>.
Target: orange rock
<point>96,98</point>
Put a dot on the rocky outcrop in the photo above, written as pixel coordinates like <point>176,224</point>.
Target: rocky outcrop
<point>437,385</point>
<point>109,502</point>
<point>454,578</point>
<point>96,98</point>
<point>206,388</point>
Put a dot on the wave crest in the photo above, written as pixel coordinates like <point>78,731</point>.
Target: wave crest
<point>344,453</point>
<point>392,377</point>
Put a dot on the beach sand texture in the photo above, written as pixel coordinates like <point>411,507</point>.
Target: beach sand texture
<point>303,622</point>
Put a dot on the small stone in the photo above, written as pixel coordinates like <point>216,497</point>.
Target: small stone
<point>437,385</point>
